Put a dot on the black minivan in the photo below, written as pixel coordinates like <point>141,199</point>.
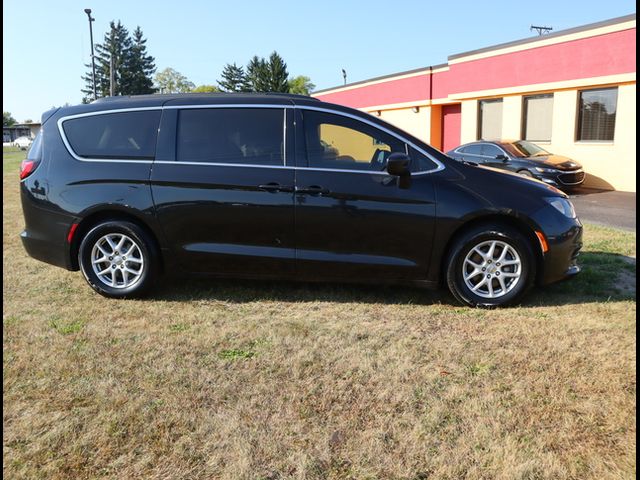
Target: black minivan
<point>280,186</point>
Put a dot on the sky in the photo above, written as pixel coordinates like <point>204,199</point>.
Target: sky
<point>46,43</point>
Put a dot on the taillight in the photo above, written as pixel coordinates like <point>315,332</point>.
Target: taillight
<point>27,167</point>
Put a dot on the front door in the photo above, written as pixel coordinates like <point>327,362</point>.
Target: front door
<point>353,220</point>
<point>225,201</point>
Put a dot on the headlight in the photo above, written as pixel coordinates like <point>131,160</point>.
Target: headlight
<point>545,170</point>
<point>563,205</point>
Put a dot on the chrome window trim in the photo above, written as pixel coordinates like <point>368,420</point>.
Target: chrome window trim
<point>439,165</point>
<point>271,106</point>
<point>61,120</point>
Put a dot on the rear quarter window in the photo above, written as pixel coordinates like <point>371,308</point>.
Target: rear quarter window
<point>127,135</point>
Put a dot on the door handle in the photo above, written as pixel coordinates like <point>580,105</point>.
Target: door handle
<point>313,190</point>
<point>275,187</point>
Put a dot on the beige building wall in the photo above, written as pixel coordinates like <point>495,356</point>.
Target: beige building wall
<point>610,165</point>
<point>417,124</point>
<point>469,121</point>
<point>607,164</point>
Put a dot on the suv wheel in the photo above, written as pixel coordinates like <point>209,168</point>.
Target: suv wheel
<point>118,259</point>
<point>490,266</point>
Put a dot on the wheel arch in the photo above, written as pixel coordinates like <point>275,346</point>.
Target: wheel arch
<point>528,230</point>
<point>96,217</point>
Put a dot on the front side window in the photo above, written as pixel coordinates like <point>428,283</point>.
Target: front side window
<point>597,115</point>
<point>127,135</point>
<point>342,143</point>
<point>253,136</point>
<point>490,119</point>
<point>538,116</point>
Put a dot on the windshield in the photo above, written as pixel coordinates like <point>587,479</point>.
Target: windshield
<point>523,149</point>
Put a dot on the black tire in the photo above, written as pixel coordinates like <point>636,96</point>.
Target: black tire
<point>526,173</point>
<point>148,271</point>
<point>476,236</point>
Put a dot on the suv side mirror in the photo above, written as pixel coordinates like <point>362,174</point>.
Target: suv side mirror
<point>399,164</point>
<point>504,158</point>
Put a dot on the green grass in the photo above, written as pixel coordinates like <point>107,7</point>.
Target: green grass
<point>247,380</point>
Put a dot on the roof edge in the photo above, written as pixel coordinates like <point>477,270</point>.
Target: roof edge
<point>560,33</point>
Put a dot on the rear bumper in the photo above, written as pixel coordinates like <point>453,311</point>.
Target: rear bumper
<point>45,251</point>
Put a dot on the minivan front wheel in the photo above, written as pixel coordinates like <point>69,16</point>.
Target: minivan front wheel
<point>491,266</point>
<point>118,259</point>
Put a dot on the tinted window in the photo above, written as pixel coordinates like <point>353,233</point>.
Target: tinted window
<point>231,135</point>
<point>491,151</point>
<point>339,142</point>
<point>597,114</point>
<point>420,162</point>
<point>114,135</point>
<point>523,149</point>
<point>475,149</point>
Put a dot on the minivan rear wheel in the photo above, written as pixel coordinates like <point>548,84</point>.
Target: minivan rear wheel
<point>491,266</point>
<point>118,259</point>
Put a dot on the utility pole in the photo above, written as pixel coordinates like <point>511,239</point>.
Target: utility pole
<point>541,30</point>
<point>93,60</point>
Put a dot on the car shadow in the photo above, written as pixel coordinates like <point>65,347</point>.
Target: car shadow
<point>604,277</point>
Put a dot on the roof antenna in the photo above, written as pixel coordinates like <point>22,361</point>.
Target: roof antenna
<point>541,30</point>
<point>344,75</point>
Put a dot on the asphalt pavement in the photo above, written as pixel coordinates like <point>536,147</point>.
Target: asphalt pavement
<point>613,209</point>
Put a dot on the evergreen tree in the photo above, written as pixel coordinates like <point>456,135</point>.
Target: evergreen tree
<point>257,75</point>
<point>115,48</point>
<point>139,67</point>
<point>278,77</point>
<point>132,66</point>
<point>233,79</point>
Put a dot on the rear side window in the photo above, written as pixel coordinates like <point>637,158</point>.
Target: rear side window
<point>114,135</point>
<point>472,149</point>
<point>252,136</point>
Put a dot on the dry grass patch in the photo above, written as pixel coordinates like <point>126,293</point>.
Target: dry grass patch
<point>228,379</point>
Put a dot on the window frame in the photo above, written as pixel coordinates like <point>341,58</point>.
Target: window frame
<point>284,109</point>
<point>579,114</point>
<point>73,153</point>
<point>525,109</point>
<point>295,110</point>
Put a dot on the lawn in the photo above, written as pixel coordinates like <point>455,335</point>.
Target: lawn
<point>248,380</point>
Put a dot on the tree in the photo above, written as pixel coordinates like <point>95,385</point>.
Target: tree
<point>233,79</point>
<point>257,75</point>
<point>206,89</point>
<point>171,81</point>
<point>132,66</point>
<point>139,67</point>
<point>114,50</point>
<point>301,85</point>
<point>7,119</point>
<point>278,77</point>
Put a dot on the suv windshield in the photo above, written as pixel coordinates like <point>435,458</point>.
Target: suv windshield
<point>523,149</point>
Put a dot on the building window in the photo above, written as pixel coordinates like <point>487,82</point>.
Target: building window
<point>538,115</point>
<point>597,115</point>
<point>490,119</point>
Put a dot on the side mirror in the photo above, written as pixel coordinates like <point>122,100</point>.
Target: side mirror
<point>504,158</point>
<point>399,164</point>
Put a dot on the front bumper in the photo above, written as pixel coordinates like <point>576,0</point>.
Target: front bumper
<point>566,179</point>
<point>564,237</point>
